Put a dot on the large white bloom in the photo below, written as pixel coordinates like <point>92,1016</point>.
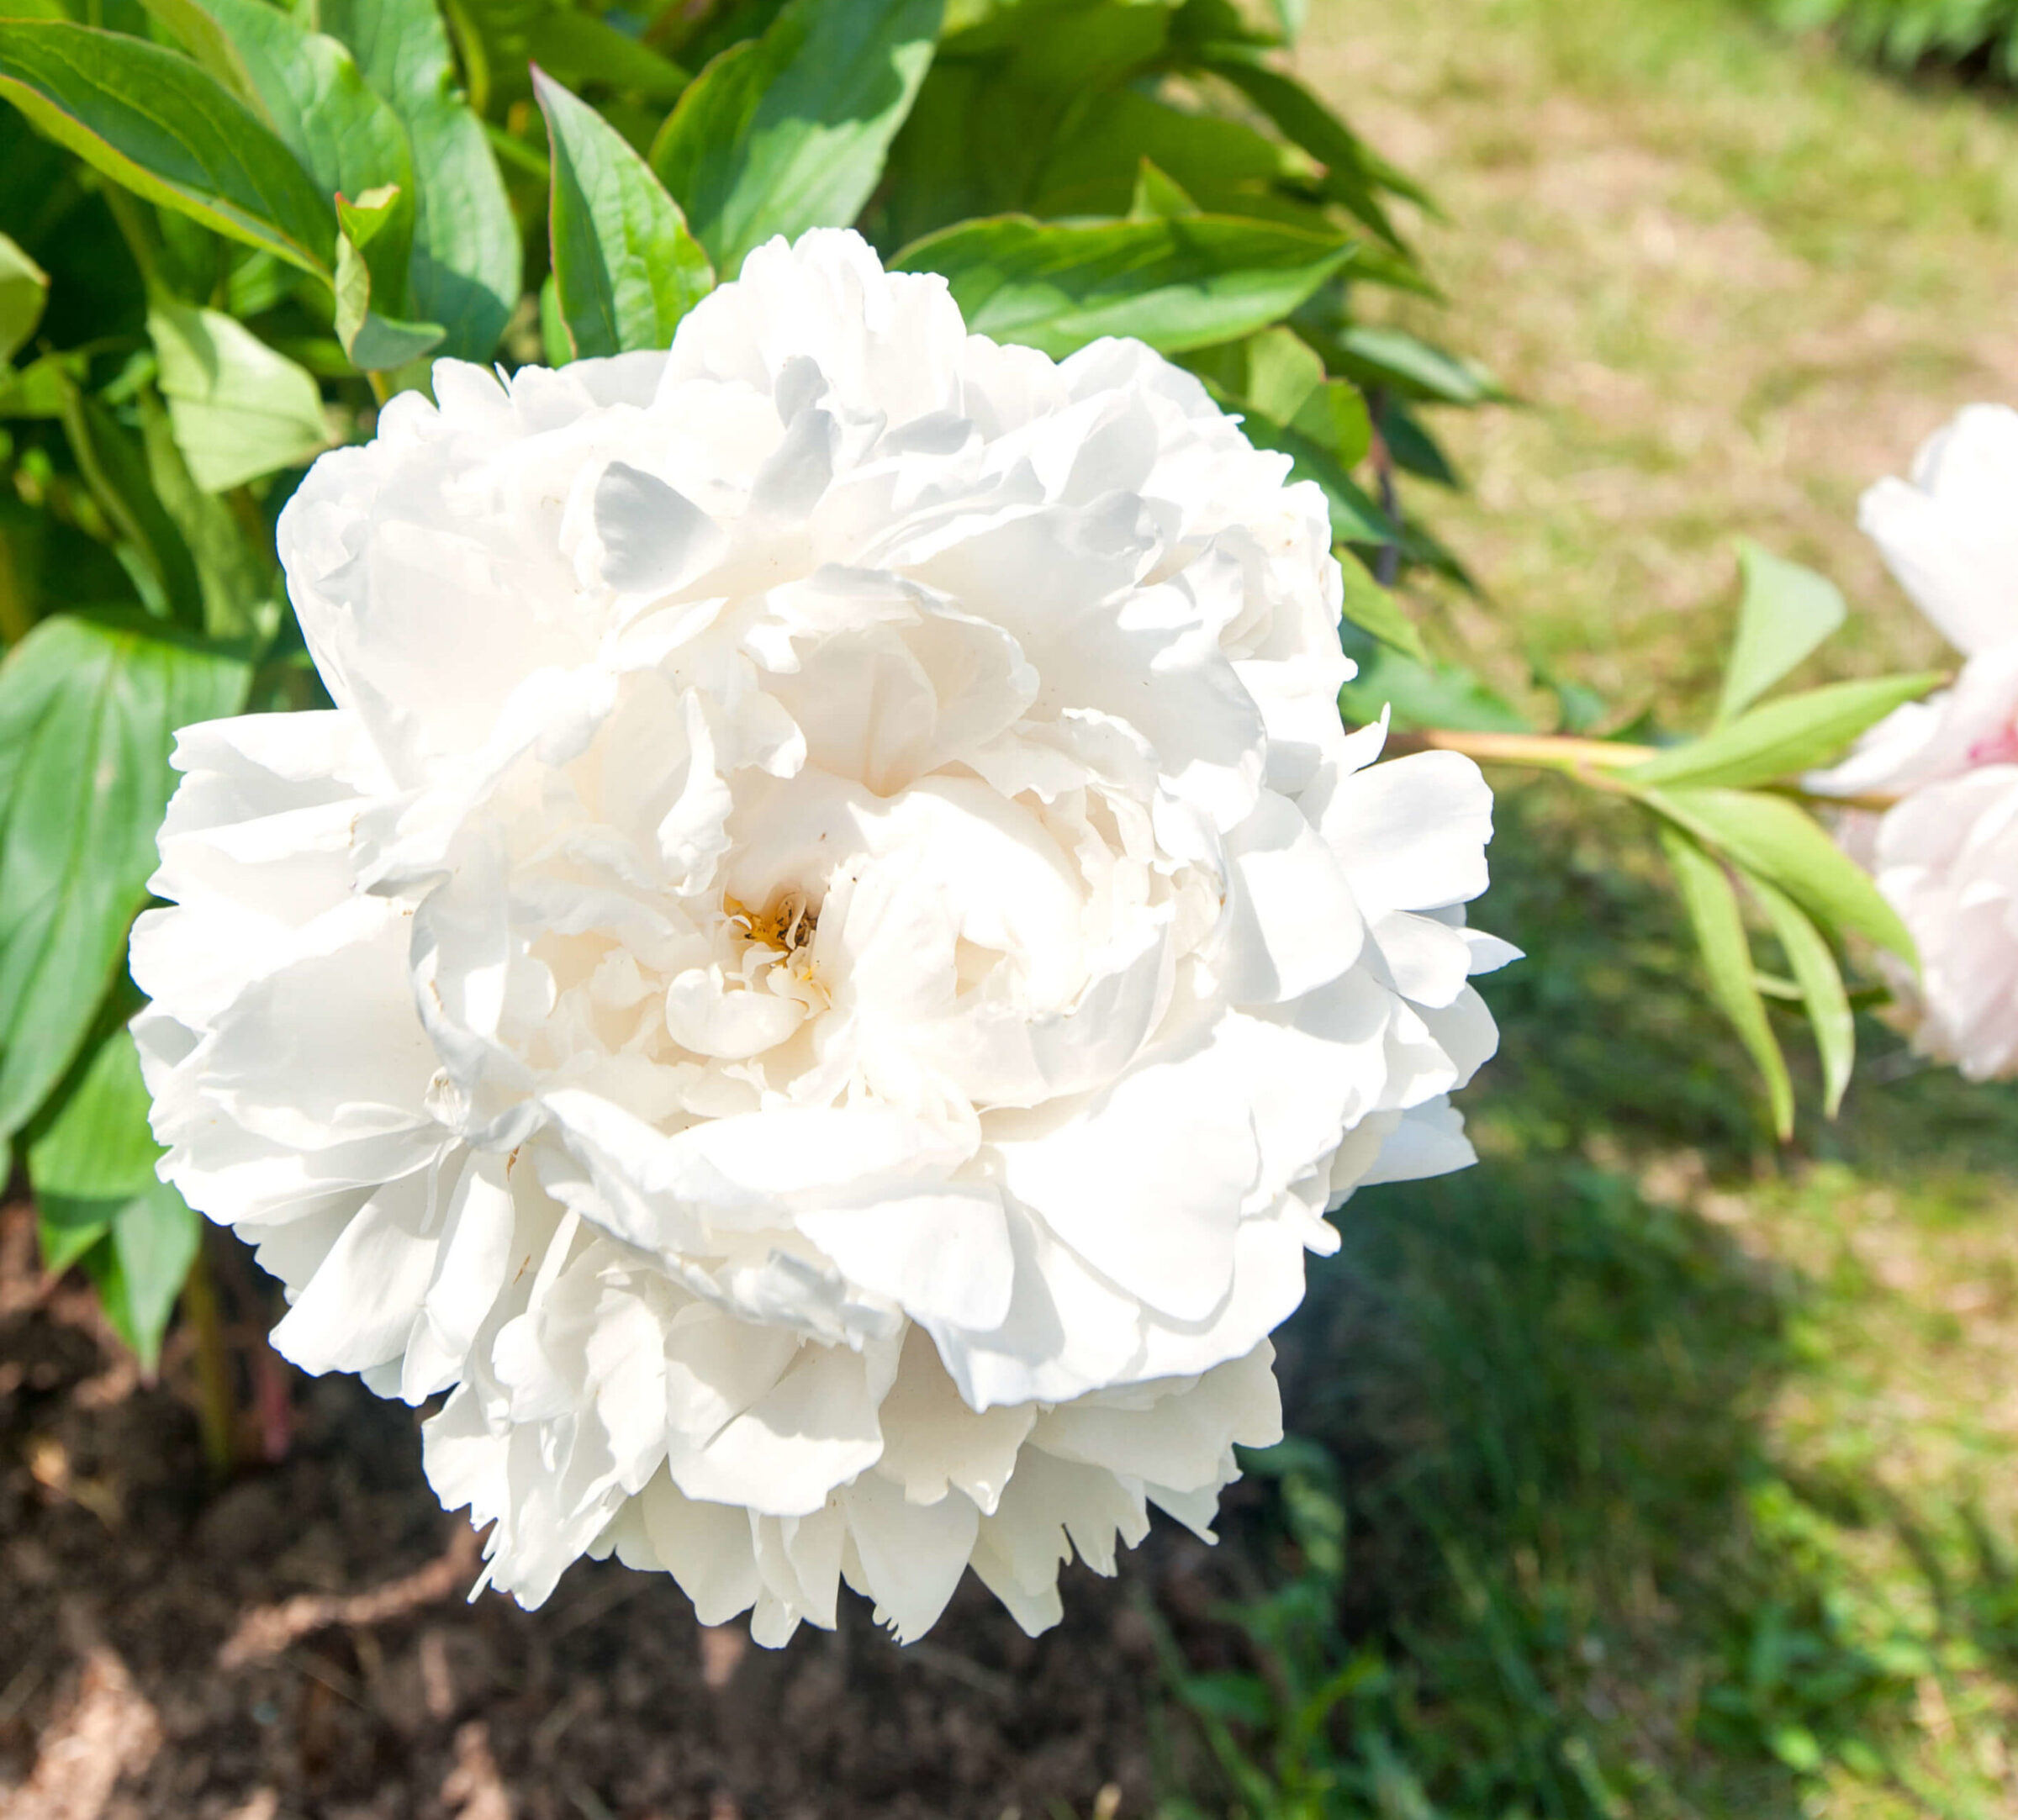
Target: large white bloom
<point>1947,855</point>
<point>831,957</point>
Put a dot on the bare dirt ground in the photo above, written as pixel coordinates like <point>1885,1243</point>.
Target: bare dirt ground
<point>297,1646</point>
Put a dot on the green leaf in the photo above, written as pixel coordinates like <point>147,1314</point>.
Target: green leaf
<point>1819,984</point>
<point>1355,175</point>
<point>23,290</point>
<point>239,409</point>
<point>1787,611</point>
<point>554,331</point>
<point>200,33</point>
<point>790,130</point>
<point>1158,196</point>
<point>236,574</point>
<point>114,466</point>
<point>88,705</point>
<point>467,258</point>
<point>141,1268</point>
<point>346,136</point>
<point>625,269</point>
<point>1394,357</point>
<point>582,48</point>
<point>93,1154</point>
<point>1228,1694</point>
<point>1414,450</point>
<point>1174,284</point>
<point>1713,910</point>
<point>1375,609</point>
<point>35,390</point>
<point>1774,839</point>
<point>98,1201</point>
<point>1283,374</point>
<point>1425,695</point>
<point>1784,737</point>
<point>1355,517</point>
<point>155,122</point>
<point>1092,168</point>
<point>374,233</point>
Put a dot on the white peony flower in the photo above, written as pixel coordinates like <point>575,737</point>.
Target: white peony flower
<point>827,966</point>
<point>1945,855</point>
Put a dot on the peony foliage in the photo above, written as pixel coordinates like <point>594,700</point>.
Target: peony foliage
<point>768,891</point>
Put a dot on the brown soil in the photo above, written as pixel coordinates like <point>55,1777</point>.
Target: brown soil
<point>295,1645</point>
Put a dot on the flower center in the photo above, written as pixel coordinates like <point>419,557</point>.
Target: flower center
<point>780,935</point>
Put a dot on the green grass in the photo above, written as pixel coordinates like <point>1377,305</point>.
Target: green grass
<point>1665,1472</point>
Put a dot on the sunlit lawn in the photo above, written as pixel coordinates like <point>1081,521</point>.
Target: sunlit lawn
<point>1683,1472</point>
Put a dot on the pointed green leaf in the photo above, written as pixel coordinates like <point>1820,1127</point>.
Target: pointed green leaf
<point>788,131</point>
<point>239,409</point>
<point>1712,913</point>
<point>1355,175</point>
<point>1174,284</point>
<point>1283,374</point>
<point>466,273</point>
<point>93,1154</point>
<point>23,290</point>
<point>198,32</point>
<point>1819,984</point>
<point>88,708</point>
<point>237,577</point>
<point>1773,839</point>
<point>373,237</point>
<point>1425,695</point>
<point>1340,419</point>
<point>113,462</point>
<point>1787,611</point>
<point>580,48</point>
<point>140,1267</point>
<point>155,122</point>
<point>1157,197</point>
<point>554,331</point>
<point>1392,358</point>
<point>347,139</point>
<point>1094,164</point>
<point>98,1201</point>
<point>1375,609</point>
<point>35,390</point>
<point>625,269</point>
<point>1785,738</point>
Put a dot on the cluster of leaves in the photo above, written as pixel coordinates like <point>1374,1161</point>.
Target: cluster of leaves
<point>231,230</point>
<point>1730,818</point>
<point>1728,804</point>
<point>1907,33</point>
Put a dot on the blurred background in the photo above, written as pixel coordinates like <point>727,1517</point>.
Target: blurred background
<point>1649,1468</point>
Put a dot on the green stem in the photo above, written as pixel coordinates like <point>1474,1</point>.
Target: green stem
<point>1592,762</point>
<point>216,1415</point>
<point>1541,751</point>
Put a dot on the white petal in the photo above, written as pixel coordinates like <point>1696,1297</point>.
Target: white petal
<point>934,1444</point>
<point>913,1555</point>
<point>1291,921</point>
<point>813,1430</point>
<point>705,1547</point>
<point>942,1258</point>
<point>654,540</point>
<point>358,1308</point>
<point>1412,833</point>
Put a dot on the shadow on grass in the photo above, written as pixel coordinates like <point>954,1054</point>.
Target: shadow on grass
<point>1590,1585</point>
